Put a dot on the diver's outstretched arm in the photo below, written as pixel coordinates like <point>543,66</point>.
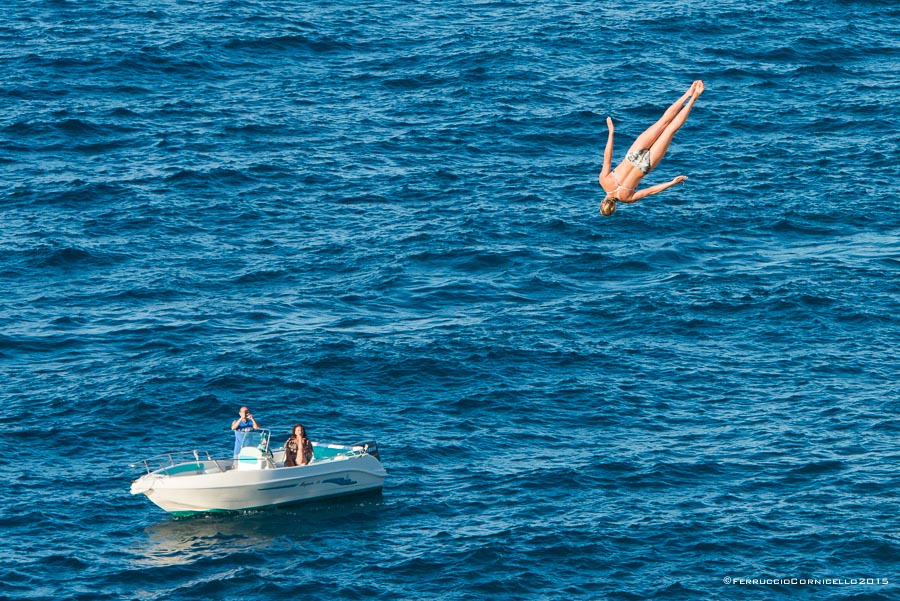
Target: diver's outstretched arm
<point>607,154</point>
<point>655,189</point>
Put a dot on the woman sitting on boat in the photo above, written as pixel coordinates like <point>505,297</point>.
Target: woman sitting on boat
<point>298,448</point>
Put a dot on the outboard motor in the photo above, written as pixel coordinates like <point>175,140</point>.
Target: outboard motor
<point>371,448</point>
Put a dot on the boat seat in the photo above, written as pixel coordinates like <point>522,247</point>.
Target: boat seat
<point>250,458</point>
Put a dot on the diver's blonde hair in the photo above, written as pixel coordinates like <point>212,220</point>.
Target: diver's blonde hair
<point>608,205</point>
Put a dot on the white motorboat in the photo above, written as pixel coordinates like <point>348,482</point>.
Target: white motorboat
<point>189,482</point>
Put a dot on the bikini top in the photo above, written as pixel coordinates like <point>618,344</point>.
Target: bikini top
<point>619,186</point>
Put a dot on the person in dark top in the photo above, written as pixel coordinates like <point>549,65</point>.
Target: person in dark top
<point>298,448</point>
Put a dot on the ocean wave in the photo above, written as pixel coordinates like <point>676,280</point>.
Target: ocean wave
<point>317,44</point>
<point>217,177</point>
<point>68,257</point>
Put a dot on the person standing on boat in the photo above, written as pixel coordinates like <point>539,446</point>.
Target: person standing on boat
<point>297,449</point>
<point>242,425</point>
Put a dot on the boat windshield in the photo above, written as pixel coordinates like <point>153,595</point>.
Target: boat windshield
<point>256,438</point>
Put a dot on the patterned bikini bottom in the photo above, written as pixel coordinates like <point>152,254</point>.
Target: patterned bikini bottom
<point>640,159</point>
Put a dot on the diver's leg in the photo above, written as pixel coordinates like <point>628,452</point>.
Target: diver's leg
<point>652,133</point>
<point>661,145</point>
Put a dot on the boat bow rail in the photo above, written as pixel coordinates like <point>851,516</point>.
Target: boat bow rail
<point>168,463</point>
<point>253,442</point>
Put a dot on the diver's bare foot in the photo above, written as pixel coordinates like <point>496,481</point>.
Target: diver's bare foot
<point>697,88</point>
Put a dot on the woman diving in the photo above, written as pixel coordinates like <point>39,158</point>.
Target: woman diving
<point>620,184</point>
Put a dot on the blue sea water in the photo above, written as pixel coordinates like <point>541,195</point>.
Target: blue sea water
<point>380,219</point>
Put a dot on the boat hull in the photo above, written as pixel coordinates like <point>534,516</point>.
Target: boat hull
<point>209,489</point>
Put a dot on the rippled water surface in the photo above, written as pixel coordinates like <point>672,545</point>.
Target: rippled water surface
<point>380,219</point>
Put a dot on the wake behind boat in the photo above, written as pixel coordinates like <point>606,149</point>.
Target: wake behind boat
<point>189,482</point>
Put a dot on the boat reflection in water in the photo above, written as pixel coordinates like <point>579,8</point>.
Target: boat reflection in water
<point>189,482</point>
<point>185,541</point>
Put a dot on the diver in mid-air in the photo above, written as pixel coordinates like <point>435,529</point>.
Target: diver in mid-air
<point>620,184</point>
